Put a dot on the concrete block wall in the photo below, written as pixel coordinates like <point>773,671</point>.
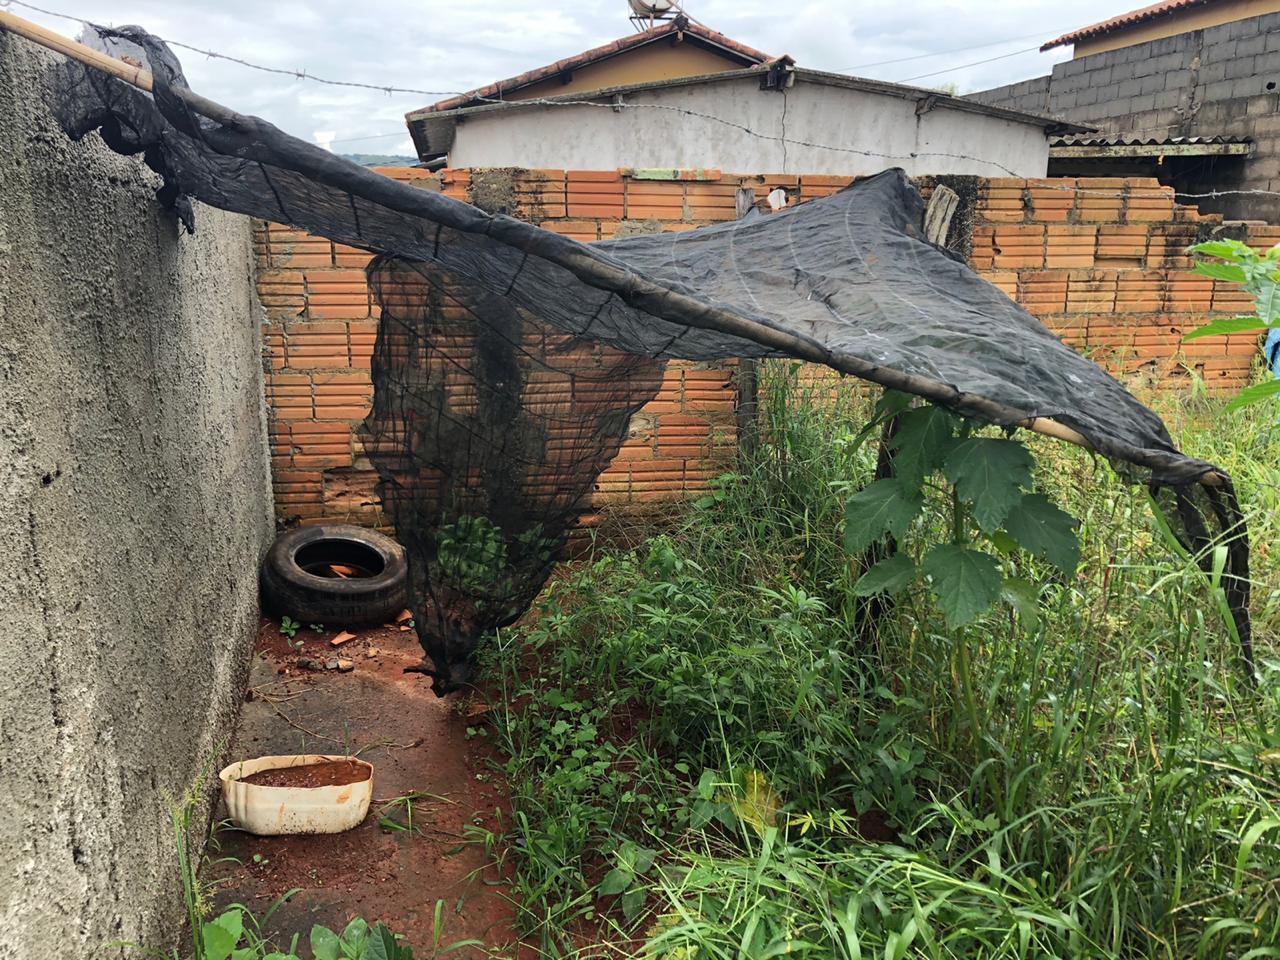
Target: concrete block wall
<point>1101,261</point>
<point>1031,96</point>
<point>1222,80</point>
<point>135,504</point>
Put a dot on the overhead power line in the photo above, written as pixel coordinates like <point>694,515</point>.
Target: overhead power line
<point>975,63</point>
<point>943,53</point>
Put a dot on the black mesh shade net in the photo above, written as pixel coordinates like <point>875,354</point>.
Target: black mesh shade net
<point>510,359</point>
<point>488,431</point>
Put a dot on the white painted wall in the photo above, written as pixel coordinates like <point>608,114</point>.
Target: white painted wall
<point>875,130</point>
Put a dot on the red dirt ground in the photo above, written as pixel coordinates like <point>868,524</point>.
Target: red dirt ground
<point>417,743</point>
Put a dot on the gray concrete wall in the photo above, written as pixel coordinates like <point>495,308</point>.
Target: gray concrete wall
<point>871,130</point>
<point>1203,83</point>
<point>134,506</point>
<point>1029,95</point>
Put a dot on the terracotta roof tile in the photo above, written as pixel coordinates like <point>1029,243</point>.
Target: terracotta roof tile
<point>577,62</point>
<point>1126,20</point>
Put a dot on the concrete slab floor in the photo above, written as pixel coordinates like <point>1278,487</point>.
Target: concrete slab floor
<point>417,743</point>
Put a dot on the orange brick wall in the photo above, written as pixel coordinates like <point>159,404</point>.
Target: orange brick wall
<point>1101,262</point>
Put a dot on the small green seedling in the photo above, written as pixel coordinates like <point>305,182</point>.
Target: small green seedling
<point>289,627</point>
<point>633,863</point>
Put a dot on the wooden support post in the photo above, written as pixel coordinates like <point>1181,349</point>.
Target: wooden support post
<point>943,203</point>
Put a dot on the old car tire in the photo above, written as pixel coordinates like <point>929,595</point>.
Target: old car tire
<point>298,582</point>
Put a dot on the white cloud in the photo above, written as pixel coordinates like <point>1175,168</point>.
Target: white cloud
<point>442,46</point>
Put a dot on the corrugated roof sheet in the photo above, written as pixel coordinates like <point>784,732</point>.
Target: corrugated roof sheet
<point>1089,140</point>
<point>1127,20</point>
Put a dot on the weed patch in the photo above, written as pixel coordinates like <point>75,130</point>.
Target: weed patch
<point>709,756</point>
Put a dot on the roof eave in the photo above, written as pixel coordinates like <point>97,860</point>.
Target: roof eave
<point>1053,125</point>
<point>1123,22</point>
<point>685,31</point>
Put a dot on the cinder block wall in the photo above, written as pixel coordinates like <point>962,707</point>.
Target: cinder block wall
<point>1222,80</point>
<point>135,504</point>
<point>1102,262</point>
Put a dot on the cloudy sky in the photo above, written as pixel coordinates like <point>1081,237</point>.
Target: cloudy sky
<point>447,46</point>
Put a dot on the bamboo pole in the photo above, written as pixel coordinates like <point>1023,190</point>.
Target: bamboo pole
<point>138,77</point>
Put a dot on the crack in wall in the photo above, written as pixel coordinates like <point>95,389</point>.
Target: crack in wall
<point>1188,109</point>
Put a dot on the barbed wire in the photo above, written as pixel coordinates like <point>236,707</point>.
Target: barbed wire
<point>618,104</point>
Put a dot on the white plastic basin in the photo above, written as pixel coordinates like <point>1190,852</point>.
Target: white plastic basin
<point>272,811</point>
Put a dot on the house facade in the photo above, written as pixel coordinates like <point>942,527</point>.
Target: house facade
<point>1185,91</point>
<point>743,110</point>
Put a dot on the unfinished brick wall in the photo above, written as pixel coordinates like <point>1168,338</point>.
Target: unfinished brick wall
<point>1101,262</point>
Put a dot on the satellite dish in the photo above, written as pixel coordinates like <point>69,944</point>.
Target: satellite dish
<point>654,9</point>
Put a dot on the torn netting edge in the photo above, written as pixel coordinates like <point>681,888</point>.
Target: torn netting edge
<point>1204,518</point>
<point>488,432</point>
<point>845,281</point>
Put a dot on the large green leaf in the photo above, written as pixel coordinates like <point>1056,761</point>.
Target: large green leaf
<point>354,936</point>
<point>988,474</point>
<point>633,902</point>
<point>384,946</point>
<point>644,860</point>
<point>1223,249</point>
<point>1024,597</point>
<point>890,404</point>
<point>966,582</point>
<point>1262,283</point>
<point>921,443</point>
<point>324,943</point>
<point>615,881</point>
<point>1226,325</point>
<point>880,507</point>
<point>1221,271</point>
<point>221,934</point>
<point>890,575</point>
<point>1255,394</point>
<point>1044,531</point>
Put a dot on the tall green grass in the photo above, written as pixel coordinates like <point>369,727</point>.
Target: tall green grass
<point>1110,789</point>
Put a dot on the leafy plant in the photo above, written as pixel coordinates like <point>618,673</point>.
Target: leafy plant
<point>358,941</point>
<point>476,556</point>
<point>994,511</point>
<point>1235,262</point>
<point>625,879</point>
<point>289,627</point>
<point>228,937</point>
